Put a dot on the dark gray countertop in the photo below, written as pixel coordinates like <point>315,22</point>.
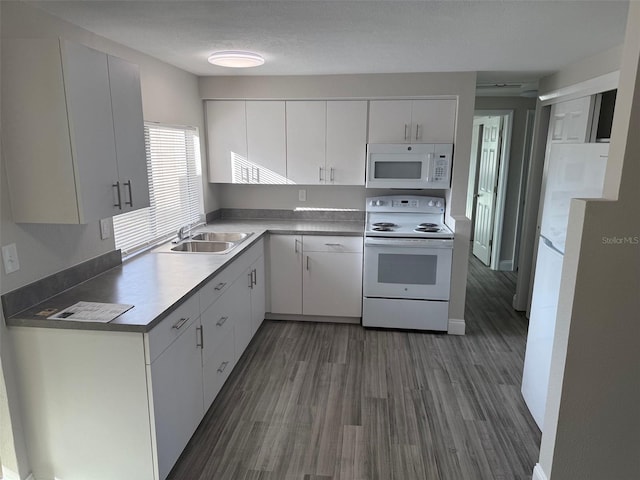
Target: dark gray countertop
<point>157,282</point>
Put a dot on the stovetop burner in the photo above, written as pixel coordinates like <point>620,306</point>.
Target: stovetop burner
<point>384,225</point>
<point>427,229</point>
<point>429,225</point>
<point>382,229</point>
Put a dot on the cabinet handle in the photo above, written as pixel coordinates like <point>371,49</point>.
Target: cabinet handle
<point>130,202</point>
<point>222,321</point>
<point>254,276</point>
<point>331,177</point>
<point>117,187</point>
<point>295,245</point>
<point>220,286</point>
<point>320,179</point>
<point>180,323</point>
<point>333,244</point>
<point>257,175</point>
<point>222,367</point>
<point>307,262</point>
<point>201,330</point>
<point>406,131</point>
<point>417,131</point>
<point>244,174</point>
<point>250,275</point>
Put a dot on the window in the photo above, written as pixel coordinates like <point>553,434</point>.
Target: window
<point>175,189</point>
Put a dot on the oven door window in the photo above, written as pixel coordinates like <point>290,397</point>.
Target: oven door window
<point>409,170</point>
<point>407,269</point>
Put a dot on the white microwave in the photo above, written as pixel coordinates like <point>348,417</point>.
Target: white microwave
<point>424,165</point>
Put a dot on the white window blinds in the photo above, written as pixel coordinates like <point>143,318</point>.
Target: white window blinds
<point>175,188</point>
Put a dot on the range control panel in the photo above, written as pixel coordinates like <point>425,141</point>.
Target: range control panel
<point>405,203</point>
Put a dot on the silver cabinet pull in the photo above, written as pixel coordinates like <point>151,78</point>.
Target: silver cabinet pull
<point>222,321</point>
<point>201,330</point>
<point>180,323</point>
<point>307,262</point>
<point>258,174</point>
<point>220,286</point>
<point>222,367</point>
<point>130,202</point>
<point>295,245</point>
<point>406,131</point>
<point>254,276</point>
<point>320,179</point>
<point>417,130</point>
<point>244,174</point>
<point>250,275</point>
<point>331,177</point>
<point>117,187</point>
<point>333,244</point>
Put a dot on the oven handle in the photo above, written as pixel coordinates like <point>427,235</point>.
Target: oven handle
<point>409,242</point>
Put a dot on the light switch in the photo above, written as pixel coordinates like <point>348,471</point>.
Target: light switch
<point>302,195</point>
<point>10,258</point>
<point>105,229</point>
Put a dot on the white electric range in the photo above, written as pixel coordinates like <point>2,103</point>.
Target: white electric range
<point>407,263</point>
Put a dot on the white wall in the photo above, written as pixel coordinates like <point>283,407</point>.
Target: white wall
<point>169,95</point>
<point>592,422</point>
<point>460,85</point>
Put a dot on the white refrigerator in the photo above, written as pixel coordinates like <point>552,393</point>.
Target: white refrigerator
<point>574,171</point>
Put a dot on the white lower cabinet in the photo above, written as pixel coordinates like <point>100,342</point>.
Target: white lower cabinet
<point>258,295</point>
<point>316,275</point>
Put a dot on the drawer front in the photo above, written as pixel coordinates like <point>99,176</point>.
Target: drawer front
<point>215,288</point>
<point>169,329</point>
<point>217,321</point>
<point>217,369</point>
<point>321,243</point>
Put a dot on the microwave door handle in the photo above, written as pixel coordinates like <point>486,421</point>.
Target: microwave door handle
<point>429,165</point>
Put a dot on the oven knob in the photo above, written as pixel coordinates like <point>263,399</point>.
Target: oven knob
<point>430,203</point>
<point>439,204</point>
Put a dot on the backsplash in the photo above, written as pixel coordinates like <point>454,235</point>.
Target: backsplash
<point>323,215</point>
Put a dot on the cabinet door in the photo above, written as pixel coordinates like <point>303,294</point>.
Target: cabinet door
<point>257,295</point>
<point>242,322</point>
<point>266,142</point>
<point>571,120</point>
<point>390,121</point>
<point>433,121</point>
<point>332,284</point>
<point>227,142</point>
<point>346,142</point>
<point>306,136</point>
<point>176,381</point>
<point>86,83</point>
<point>285,273</point>
<point>128,125</point>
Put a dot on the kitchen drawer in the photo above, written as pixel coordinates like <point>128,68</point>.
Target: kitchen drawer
<point>217,369</point>
<point>216,287</point>
<point>322,243</point>
<point>169,329</point>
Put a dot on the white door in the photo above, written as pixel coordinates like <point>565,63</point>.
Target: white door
<point>227,142</point>
<point>258,295</point>
<point>306,135</point>
<point>346,142</point>
<point>86,81</point>
<point>286,273</point>
<point>433,121</point>
<point>266,144</point>
<point>241,311</point>
<point>389,121</point>
<point>128,124</point>
<point>571,120</point>
<point>487,184</point>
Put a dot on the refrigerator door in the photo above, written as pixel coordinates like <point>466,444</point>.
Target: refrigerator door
<point>575,171</point>
<point>542,323</point>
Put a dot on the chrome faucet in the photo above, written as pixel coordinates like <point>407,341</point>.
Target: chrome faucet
<point>182,233</point>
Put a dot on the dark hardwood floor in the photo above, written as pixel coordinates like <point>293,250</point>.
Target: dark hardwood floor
<point>329,401</point>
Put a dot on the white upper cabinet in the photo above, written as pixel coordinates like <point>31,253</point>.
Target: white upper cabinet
<point>266,144</point>
<point>306,142</point>
<point>571,121</point>
<point>227,142</point>
<point>412,121</point>
<point>346,142</point>
<point>73,132</point>
<point>326,142</point>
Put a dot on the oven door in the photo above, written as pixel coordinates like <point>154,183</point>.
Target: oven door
<point>411,268</point>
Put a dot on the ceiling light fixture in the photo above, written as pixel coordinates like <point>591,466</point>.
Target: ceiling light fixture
<point>236,59</point>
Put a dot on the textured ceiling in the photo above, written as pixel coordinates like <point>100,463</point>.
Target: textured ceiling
<point>508,40</point>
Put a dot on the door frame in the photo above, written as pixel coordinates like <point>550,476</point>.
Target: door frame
<point>503,172</point>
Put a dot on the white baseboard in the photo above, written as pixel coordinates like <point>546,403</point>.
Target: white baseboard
<point>456,327</point>
<point>538,473</point>
<point>506,265</point>
<point>312,318</point>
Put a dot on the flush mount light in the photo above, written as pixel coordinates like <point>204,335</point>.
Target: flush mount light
<point>236,59</point>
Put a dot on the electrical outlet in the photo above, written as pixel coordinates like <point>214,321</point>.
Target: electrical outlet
<point>10,258</point>
<point>302,195</point>
<point>105,228</point>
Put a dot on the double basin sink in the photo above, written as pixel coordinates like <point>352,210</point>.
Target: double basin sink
<point>211,242</point>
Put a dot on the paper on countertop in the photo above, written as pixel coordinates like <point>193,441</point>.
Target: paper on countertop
<point>92,312</point>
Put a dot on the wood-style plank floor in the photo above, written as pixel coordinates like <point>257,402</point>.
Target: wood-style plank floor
<point>329,401</point>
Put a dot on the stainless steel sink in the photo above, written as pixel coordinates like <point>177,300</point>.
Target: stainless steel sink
<point>208,247</point>
<point>220,236</point>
